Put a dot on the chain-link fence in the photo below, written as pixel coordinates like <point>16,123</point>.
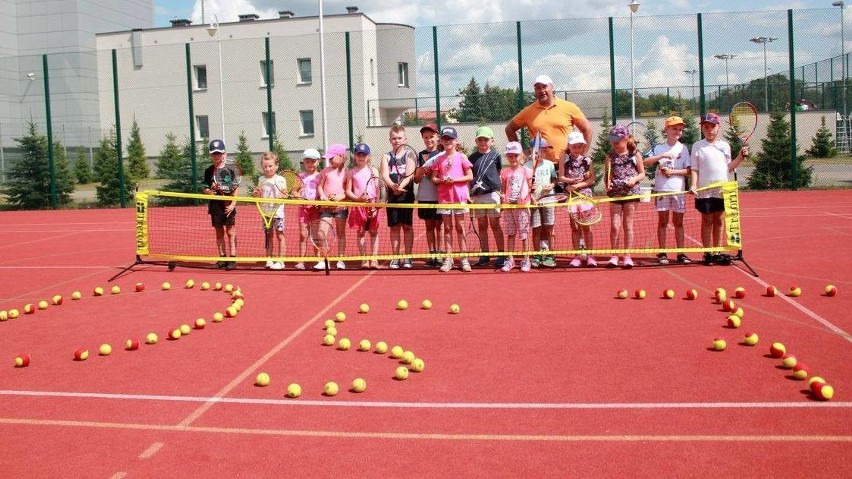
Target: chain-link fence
<point>262,85</point>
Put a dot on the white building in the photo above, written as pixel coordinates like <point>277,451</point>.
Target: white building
<point>152,78</point>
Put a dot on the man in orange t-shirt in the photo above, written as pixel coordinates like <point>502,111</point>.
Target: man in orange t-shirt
<point>554,117</point>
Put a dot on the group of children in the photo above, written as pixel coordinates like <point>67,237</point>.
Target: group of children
<point>452,181</point>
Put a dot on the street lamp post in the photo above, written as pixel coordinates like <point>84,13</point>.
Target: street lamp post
<point>213,30</point>
<point>634,7</point>
<point>764,41</point>
<point>842,52</point>
<point>726,57</point>
<point>692,80</point>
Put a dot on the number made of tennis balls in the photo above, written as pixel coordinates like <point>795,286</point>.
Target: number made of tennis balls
<point>344,344</point>
<point>396,352</point>
<point>831,290</point>
<point>750,339</point>
<point>262,380</point>
<point>105,350</point>
<point>294,390</point>
<point>454,309</point>
<point>719,344</point>
<point>418,365</point>
<point>43,305</point>
<point>330,388</point>
<point>639,294</point>
<point>401,373</point>
<point>364,308</point>
<point>98,291</point>
<point>359,385</point>
<point>381,347</point>
<point>328,340</point>
<point>166,286</point>
<point>115,290</point>
<point>364,345</point>
<point>402,305</point>
<point>426,304</point>
<point>622,294</point>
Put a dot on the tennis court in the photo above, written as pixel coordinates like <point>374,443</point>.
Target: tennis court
<point>545,374</point>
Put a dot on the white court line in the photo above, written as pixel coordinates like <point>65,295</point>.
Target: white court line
<point>432,405</point>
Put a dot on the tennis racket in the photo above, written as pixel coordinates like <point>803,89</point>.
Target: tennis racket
<point>323,235</point>
<point>269,189</point>
<point>227,178</point>
<point>583,210</point>
<point>293,186</point>
<point>376,192</point>
<point>398,163</point>
<point>743,120</point>
<point>643,137</point>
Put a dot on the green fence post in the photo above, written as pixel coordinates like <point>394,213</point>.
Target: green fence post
<point>270,119</point>
<point>437,81</point>
<point>790,42</point>
<point>613,92</point>
<point>121,180</point>
<point>54,200</point>
<point>192,151</point>
<point>702,108</point>
<point>349,94</point>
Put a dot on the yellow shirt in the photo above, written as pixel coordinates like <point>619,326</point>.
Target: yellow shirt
<point>555,123</point>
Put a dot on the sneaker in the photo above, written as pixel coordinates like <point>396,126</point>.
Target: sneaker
<point>220,264</point>
<point>230,265</point>
<point>508,265</point>
<point>708,259</point>
<point>394,264</point>
<point>500,262</point>
<point>536,261</point>
<point>549,262</point>
<point>613,262</point>
<point>448,265</point>
<point>525,265</point>
<point>341,265</point>
<point>269,264</point>
<point>662,258</point>
<point>406,263</point>
<point>628,262</point>
<point>575,263</point>
<point>320,265</point>
<point>590,262</point>
<point>683,259</point>
<point>300,266</point>
<point>465,265</point>
<point>483,261</point>
<point>277,266</point>
<point>374,264</point>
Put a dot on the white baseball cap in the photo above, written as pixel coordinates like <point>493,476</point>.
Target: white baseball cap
<point>543,79</point>
<point>311,153</point>
<point>575,137</point>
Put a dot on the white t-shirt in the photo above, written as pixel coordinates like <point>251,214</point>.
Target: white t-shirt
<point>711,161</point>
<point>681,162</point>
<point>426,190</point>
<point>545,174</point>
<point>271,188</point>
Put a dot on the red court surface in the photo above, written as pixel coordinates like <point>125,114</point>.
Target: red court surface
<point>544,374</point>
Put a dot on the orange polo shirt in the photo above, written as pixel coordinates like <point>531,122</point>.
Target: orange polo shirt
<point>555,123</point>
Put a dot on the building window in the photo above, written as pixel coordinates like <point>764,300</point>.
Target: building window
<point>266,128</point>
<point>202,127</point>
<point>403,74</point>
<point>305,75</point>
<point>372,72</point>
<point>263,69</point>
<point>200,77</point>
<point>306,122</point>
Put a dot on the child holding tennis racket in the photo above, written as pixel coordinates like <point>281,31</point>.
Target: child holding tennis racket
<point>542,219</point>
<point>577,176</point>
<point>452,172</point>
<point>362,186</point>
<point>427,192</point>
<point>485,189</point>
<point>711,163</point>
<point>397,169</point>
<point>272,185</point>
<point>331,188</point>
<point>308,214</point>
<point>624,170</point>
<point>674,166</point>
<point>223,214</point>
<point>517,188</point>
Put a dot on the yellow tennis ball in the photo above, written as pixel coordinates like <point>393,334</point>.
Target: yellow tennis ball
<point>105,350</point>
<point>185,329</point>
<point>151,338</point>
<point>328,340</point>
<point>340,317</point>
<point>13,314</point>
<point>734,321</point>
<point>4,315</point>
<point>401,373</point>
<point>739,312</point>
<point>217,286</point>
<point>331,331</point>
<point>205,286</point>
<point>229,288</point>
<point>262,380</point>
<point>407,357</point>
<point>76,295</point>
<point>381,347</point>
<point>294,390</point>
<point>359,385</point>
<point>418,365</point>
<point>794,291</point>
<point>622,294</point>
<point>639,294</point>
<point>364,345</point>
<point>329,323</point>
<point>200,323</point>
<point>364,308</point>
<point>396,352</point>
<point>331,388</point>
<point>751,339</point>
<point>238,303</point>
<point>99,291</point>
<point>426,304</point>
<point>115,290</point>
<point>831,290</point>
<point>344,344</point>
<point>190,283</point>
<point>218,317</point>
<point>719,344</point>
<point>57,300</point>
<point>42,304</point>
<point>402,305</point>
<point>455,309</point>
<point>669,294</point>
<point>167,286</point>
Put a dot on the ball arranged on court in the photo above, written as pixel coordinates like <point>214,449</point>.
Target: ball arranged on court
<point>262,379</point>
<point>4,315</point>
<point>344,344</point>
<point>729,305</point>
<point>81,354</point>
<point>740,292</point>
<point>794,291</point>
<point>364,308</point>
<point>329,323</point>
<point>115,289</point>
<point>190,283</point>
<point>669,294</point>
<point>205,286</point>
<point>364,345</point>
<point>231,312</point>
<point>140,287</point>
<point>200,323</point>
<point>57,300</point>
<point>401,373</point>
<point>823,391</point>
<point>407,357</point>
<point>454,309</point>
<point>720,293</point>
<point>418,365</point>
<point>691,294</point>
<point>831,290</point>
<point>381,347</point>
<point>22,361</point>
<point>217,286</point>
<point>43,304</point>
<point>359,385</point>
<point>76,295</point>
<point>719,344</point>
<point>639,294</point>
<point>294,390</point>
<point>622,294</point>
<point>218,317</point>
<point>771,291</point>
<point>328,340</point>
<point>331,331</point>
<point>229,288</point>
<point>814,381</point>
<point>105,349</point>
<point>751,339</point>
<point>734,321</point>
<point>151,338</point>
<point>777,350</point>
<point>739,312</point>
<point>29,309</point>
<point>340,317</point>
<point>402,305</point>
<point>396,352</point>
<point>789,361</point>
<point>426,304</point>
<point>131,344</point>
<point>166,286</point>
<point>174,333</point>
<point>801,371</point>
<point>331,388</point>
<point>98,291</point>
<point>13,314</point>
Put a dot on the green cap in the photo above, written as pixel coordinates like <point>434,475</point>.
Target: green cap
<point>484,132</point>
